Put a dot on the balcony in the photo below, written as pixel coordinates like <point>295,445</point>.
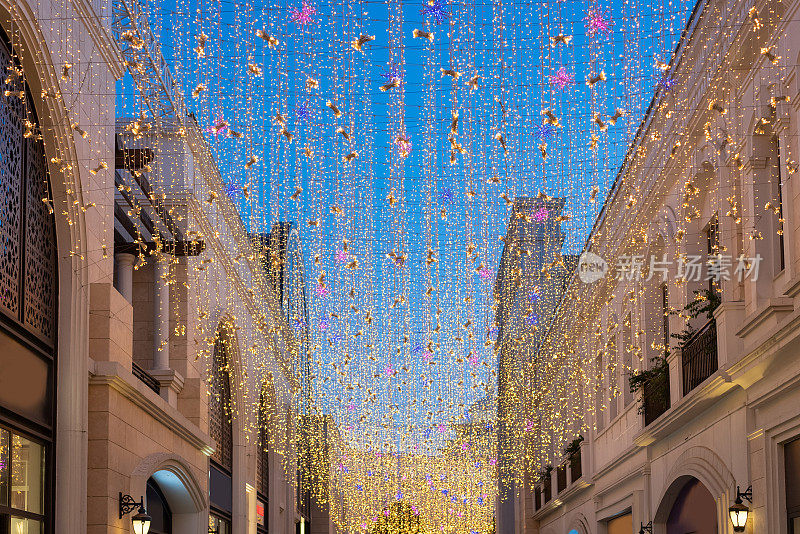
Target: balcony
<point>561,478</point>
<point>655,397</point>
<point>146,378</point>
<point>699,356</point>
<point>575,469</point>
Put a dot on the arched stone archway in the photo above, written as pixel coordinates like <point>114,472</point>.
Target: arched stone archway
<point>184,494</point>
<point>578,525</point>
<point>703,465</point>
<point>35,41</point>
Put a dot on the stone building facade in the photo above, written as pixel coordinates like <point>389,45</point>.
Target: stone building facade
<point>144,351</point>
<point>711,175</point>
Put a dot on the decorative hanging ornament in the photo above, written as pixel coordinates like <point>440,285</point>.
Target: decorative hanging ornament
<point>220,126</point>
<point>599,21</point>
<point>435,10</point>
<point>304,16</point>
<point>403,145</point>
<point>562,78</point>
<point>302,112</point>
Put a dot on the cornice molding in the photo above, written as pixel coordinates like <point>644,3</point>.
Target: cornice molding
<point>101,36</point>
<point>114,376</point>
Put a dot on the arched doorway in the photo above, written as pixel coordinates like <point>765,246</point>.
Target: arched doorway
<point>174,498</point>
<point>694,510</point>
<point>158,509</point>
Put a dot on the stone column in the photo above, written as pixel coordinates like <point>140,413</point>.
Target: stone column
<point>171,381</point>
<point>125,275</point>
<point>160,315</point>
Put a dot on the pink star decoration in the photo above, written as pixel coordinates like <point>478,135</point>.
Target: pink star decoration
<point>473,359</point>
<point>389,370</point>
<point>541,215</point>
<point>403,144</point>
<point>529,426</point>
<point>322,290</point>
<point>341,256</point>
<point>485,272</point>
<point>220,126</point>
<point>598,21</point>
<point>303,16</point>
<point>562,78</point>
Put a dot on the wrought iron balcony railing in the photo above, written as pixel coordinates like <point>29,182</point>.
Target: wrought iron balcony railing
<point>699,356</point>
<point>146,377</point>
<point>575,469</point>
<point>655,397</point>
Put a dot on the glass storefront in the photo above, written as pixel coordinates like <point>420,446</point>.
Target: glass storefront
<point>22,484</point>
<point>218,525</point>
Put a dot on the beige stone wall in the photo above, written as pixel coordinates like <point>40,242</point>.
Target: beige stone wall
<point>122,434</point>
<point>729,430</point>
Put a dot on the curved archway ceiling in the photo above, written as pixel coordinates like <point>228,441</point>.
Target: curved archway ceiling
<point>396,134</point>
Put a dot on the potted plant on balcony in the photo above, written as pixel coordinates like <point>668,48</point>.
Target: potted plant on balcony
<point>698,346</point>
<point>704,301</point>
<point>653,384</point>
<point>573,447</point>
<point>572,452</point>
<point>544,478</point>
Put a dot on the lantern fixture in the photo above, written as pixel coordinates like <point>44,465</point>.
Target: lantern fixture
<point>738,510</point>
<point>646,528</point>
<point>141,521</point>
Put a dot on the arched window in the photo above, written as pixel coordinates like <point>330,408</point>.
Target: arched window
<point>768,199</point>
<point>265,414</point>
<point>158,509</point>
<point>600,390</point>
<point>28,309</point>
<point>220,412</point>
<point>613,364</point>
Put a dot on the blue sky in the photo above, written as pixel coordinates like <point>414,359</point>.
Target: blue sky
<point>508,45</point>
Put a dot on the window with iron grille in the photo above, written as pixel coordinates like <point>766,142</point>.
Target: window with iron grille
<point>219,407</point>
<point>262,458</point>
<point>28,308</point>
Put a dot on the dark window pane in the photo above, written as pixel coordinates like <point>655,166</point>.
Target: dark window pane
<point>220,489</point>
<point>791,462</point>
<point>24,380</point>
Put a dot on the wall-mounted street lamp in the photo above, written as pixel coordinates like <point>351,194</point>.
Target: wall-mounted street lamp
<point>141,521</point>
<point>739,511</point>
<point>646,528</point>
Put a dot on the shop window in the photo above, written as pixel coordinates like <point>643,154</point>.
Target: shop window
<point>622,524</point>
<point>218,524</point>
<point>22,483</point>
